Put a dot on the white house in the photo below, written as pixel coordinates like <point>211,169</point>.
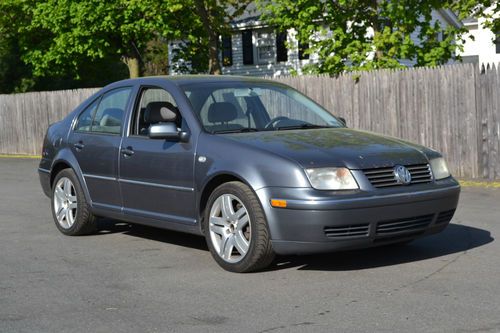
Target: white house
<point>256,49</point>
<point>485,48</point>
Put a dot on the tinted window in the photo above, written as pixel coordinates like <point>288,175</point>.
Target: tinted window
<point>248,106</point>
<point>109,115</point>
<point>243,118</point>
<point>85,119</point>
<point>152,95</point>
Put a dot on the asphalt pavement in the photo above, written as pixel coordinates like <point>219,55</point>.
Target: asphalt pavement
<point>139,279</point>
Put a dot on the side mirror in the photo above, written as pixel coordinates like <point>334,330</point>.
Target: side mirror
<point>167,131</point>
<point>342,120</point>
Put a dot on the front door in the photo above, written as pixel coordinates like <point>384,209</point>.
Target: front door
<point>156,176</point>
<point>95,142</point>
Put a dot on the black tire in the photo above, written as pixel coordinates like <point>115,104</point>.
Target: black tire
<point>260,253</point>
<point>85,221</point>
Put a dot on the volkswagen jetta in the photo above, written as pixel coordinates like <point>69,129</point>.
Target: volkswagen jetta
<point>253,165</point>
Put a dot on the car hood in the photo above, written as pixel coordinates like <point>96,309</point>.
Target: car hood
<point>335,147</point>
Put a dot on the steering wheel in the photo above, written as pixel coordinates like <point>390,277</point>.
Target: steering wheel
<point>271,123</point>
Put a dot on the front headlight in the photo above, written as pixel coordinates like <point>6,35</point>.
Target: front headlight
<point>331,179</point>
<point>439,168</point>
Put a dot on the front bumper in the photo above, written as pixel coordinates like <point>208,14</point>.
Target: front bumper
<point>319,221</point>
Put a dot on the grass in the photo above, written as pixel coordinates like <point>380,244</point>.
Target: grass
<point>479,183</point>
<point>20,156</point>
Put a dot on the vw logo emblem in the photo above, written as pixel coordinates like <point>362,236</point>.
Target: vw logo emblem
<point>402,175</point>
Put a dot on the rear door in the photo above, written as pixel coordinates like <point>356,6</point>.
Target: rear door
<point>95,142</point>
<point>156,176</point>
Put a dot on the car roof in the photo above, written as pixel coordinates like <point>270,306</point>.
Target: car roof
<point>190,79</point>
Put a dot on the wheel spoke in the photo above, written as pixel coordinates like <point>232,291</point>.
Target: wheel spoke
<point>239,214</point>
<point>218,221</point>
<point>227,247</point>
<point>243,222</point>
<point>59,193</point>
<point>217,229</point>
<point>69,221</point>
<point>73,205</point>
<point>61,214</point>
<point>241,243</point>
<point>227,206</point>
<point>67,187</point>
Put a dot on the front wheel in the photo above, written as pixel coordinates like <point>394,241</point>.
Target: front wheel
<point>236,229</point>
<point>70,209</point>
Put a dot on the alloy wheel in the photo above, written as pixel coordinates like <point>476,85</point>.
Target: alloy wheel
<point>65,203</point>
<point>229,227</point>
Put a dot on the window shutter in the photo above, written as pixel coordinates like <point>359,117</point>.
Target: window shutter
<point>497,43</point>
<point>302,49</point>
<point>246,41</point>
<point>227,51</point>
<point>281,50</point>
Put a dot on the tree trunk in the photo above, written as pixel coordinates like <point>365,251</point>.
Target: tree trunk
<point>376,27</point>
<point>134,66</point>
<point>214,66</point>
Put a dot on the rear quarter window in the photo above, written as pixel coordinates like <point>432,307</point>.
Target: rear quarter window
<point>84,123</point>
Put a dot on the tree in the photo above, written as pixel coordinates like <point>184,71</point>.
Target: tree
<point>215,17</point>
<point>370,34</point>
<point>17,76</point>
<point>94,29</point>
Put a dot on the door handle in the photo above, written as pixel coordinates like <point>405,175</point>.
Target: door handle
<point>127,151</point>
<point>79,146</point>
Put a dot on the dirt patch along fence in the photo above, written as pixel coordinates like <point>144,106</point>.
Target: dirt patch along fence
<point>453,109</point>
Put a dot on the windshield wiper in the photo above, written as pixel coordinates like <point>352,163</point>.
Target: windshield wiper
<point>302,126</point>
<point>237,130</point>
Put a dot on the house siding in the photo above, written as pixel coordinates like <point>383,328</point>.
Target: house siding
<point>293,63</point>
<point>271,68</point>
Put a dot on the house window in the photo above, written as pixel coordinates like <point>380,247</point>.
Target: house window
<point>264,47</point>
<point>302,51</point>
<point>246,42</point>
<point>281,50</point>
<point>227,51</point>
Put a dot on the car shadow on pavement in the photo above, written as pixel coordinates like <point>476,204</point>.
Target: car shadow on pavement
<point>455,238</point>
<point>109,226</point>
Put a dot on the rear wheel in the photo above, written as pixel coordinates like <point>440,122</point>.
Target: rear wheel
<point>70,209</point>
<point>236,229</point>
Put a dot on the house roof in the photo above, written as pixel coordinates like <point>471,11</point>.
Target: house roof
<point>251,18</point>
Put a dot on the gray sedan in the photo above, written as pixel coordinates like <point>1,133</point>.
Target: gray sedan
<point>255,166</point>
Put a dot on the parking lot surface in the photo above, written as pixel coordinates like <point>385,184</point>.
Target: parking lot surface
<point>140,279</point>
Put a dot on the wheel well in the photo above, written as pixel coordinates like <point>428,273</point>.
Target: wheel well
<point>56,169</point>
<point>212,185</point>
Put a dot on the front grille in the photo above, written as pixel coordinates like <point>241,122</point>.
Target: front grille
<point>384,177</point>
<point>404,225</point>
<point>445,217</point>
<point>347,231</point>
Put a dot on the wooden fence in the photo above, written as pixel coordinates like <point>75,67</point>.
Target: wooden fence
<point>453,109</point>
<point>24,118</point>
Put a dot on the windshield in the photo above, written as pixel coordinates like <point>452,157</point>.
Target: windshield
<point>229,107</point>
